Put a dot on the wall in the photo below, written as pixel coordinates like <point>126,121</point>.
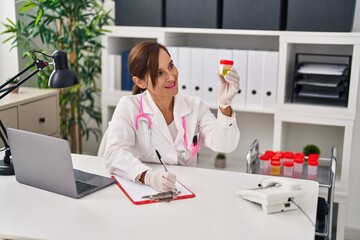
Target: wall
<point>9,64</point>
<point>353,220</point>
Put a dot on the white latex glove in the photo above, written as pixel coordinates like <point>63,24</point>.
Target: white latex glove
<point>160,180</point>
<point>228,88</point>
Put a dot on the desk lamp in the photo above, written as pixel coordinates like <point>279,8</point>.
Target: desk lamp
<point>61,77</point>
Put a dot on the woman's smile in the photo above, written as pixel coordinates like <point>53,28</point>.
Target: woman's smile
<point>171,85</point>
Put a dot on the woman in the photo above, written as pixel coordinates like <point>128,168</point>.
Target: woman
<point>156,119</point>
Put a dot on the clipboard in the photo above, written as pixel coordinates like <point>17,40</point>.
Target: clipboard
<point>135,191</point>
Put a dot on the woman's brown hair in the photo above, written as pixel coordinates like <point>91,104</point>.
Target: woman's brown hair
<point>143,59</point>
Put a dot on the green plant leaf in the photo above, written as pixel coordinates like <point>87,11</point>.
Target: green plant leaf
<point>75,27</point>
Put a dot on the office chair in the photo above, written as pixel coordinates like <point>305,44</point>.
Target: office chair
<point>101,149</point>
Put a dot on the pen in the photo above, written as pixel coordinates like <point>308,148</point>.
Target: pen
<point>163,196</point>
<point>159,157</point>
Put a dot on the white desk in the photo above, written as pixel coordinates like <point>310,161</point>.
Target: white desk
<point>215,213</point>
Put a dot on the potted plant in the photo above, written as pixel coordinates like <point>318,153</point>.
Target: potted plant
<point>311,148</point>
<point>76,28</point>
<point>220,160</point>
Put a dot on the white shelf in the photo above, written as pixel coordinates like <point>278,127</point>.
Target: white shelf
<point>287,120</point>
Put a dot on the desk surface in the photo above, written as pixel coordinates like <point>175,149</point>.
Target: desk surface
<point>215,213</point>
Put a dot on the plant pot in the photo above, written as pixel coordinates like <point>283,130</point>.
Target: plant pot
<point>16,90</point>
<point>220,162</point>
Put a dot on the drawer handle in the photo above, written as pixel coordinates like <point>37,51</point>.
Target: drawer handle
<point>41,119</point>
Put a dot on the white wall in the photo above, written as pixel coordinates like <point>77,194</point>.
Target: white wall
<point>353,212</point>
<point>9,64</point>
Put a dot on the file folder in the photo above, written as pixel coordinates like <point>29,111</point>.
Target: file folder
<point>240,58</point>
<point>174,55</point>
<point>184,70</point>
<point>197,72</point>
<point>118,69</point>
<point>224,54</point>
<point>211,66</point>
<point>126,78</point>
<point>111,72</point>
<point>255,75</point>
<point>270,77</point>
<point>135,191</point>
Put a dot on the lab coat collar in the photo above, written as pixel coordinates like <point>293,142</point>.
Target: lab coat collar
<point>181,109</point>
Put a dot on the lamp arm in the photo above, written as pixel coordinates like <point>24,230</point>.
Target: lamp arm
<point>16,76</point>
<point>40,64</point>
<point>3,135</point>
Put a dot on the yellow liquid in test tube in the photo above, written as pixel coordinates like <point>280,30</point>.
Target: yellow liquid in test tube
<point>225,66</point>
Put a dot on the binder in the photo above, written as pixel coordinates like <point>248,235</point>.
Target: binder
<point>197,72</point>
<point>174,54</point>
<point>184,70</point>
<point>111,72</point>
<point>270,76</point>
<point>254,83</point>
<point>211,65</point>
<point>134,191</point>
<point>240,58</point>
<point>118,68</point>
<point>224,54</point>
<point>126,79</point>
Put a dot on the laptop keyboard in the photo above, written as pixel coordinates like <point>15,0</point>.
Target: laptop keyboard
<point>83,187</point>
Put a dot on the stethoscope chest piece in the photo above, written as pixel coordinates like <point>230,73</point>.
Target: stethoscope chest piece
<point>185,155</point>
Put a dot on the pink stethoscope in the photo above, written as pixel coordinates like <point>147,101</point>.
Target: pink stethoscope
<point>185,154</point>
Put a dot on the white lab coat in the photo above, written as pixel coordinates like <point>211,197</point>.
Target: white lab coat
<point>123,156</point>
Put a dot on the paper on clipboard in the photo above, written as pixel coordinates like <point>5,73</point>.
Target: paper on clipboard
<point>135,191</point>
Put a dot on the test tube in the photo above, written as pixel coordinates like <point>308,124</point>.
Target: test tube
<point>275,168</point>
<point>275,158</point>
<point>288,155</point>
<point>312,169</point>
<point>225,66</point>
<point>279,154</point>
<point>264,164</point>
<point>269,153</point>
<point>298,166</point>
<point>313,156</point>
<point>288,168</point>
<point>299,155</point>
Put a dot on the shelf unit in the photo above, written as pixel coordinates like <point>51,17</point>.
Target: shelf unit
<point>32,109</point>
<point>287,126</point>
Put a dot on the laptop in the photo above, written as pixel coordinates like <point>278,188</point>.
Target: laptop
<point>45,162</point>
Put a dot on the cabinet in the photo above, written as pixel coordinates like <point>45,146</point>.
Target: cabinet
<point>287,125</point>
<point>32,109</point>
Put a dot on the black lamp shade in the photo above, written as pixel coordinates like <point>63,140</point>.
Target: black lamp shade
<point>62,76</point>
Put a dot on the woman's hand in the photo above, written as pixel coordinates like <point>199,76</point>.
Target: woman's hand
<point>160,180</point>
<point>228,88</point>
